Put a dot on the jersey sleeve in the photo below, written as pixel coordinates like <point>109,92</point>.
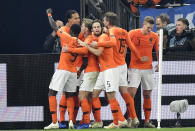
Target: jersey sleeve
<point>80,51</point>
<point>65,36</point>
<point>132,45</point>
<point>110,41</point>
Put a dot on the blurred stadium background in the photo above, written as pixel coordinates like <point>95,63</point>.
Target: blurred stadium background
<point>26,70</point>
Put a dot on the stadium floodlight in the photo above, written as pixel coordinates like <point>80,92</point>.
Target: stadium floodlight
<point>179,106</point>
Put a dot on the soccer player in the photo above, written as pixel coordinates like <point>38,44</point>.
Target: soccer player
<point>72,17</point>
<point>65,76</point>
<point>144,40</point>
<point>122,41</point>
<point>90,74</point>
<point>107,79</point>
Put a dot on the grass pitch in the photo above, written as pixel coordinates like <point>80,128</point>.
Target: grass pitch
<point>124,129</point>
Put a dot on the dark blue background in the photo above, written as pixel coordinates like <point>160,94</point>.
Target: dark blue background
<point>24,24</point>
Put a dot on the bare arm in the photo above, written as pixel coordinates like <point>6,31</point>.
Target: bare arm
<point>95,51</point>
<point>51,20</point>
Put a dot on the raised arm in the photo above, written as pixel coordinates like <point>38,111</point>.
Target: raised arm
<point>51,20</point>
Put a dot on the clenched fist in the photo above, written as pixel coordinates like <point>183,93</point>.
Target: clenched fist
<point>49,11</point>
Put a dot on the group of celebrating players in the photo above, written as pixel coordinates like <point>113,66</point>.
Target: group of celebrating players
<point>94,54</point>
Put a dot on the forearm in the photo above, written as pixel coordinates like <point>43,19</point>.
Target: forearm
<point>134,50</point>
<point>52,23</point>
<point>110,43</point>
<point>95,51</point>
<point>81,51</point>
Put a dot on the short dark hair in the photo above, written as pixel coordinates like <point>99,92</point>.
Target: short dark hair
<point>149,19</point>
<point>75,29</point>
<point>112,18</point>
<point>164,18</point>
<point>69,14</point>
<point>184,21</point>
<point>98,21</point>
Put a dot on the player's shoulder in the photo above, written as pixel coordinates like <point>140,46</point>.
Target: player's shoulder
<point>154,34</point>
<point>65,29</point>
<point>104,35</point>
<point>118,29</point>
<point>135,32</point>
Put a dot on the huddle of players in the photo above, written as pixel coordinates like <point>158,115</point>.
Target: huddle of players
<point>100,52</point>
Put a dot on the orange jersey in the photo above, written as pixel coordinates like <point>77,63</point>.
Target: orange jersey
<point>92,65</point>
<point>67,60</point>
<point>65,29</point>
<point>121,36</point>
<point>78,61</point>
<point>144,45</point>
<point>106,59</point>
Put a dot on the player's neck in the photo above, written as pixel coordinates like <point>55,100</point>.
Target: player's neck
<point>144,32</point>
<point>87,34</point>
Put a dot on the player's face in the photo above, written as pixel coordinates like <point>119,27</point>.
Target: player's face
<point>105,22</point>
<point>159,23</point>
<point>147,27</point>
<point>96,28</point>
<point>180,27</point>
<point>83,28</point>
<point>75,19</point>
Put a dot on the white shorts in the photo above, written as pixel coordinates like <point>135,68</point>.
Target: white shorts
<point>108,80</point>
<point>88,81</point>
<point>123,75</point>
<point>63,80</point>
<point>145,76</point>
